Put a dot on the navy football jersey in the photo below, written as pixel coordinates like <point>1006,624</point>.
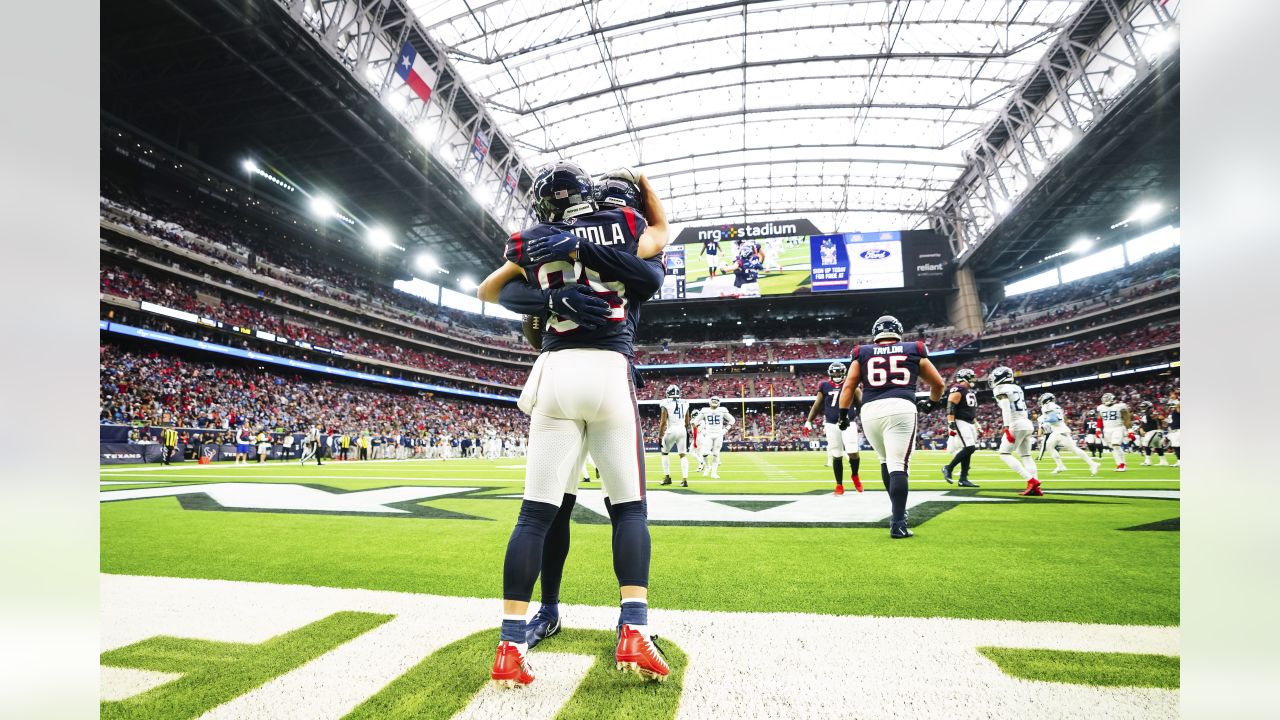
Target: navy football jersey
<point>830,393</point>
<point>890,370</point>
<point>711,247</point>
<point>967,410</point>
<point>619,229</point>
<point>748,270</point>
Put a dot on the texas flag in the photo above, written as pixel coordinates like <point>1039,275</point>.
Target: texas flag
<point>416,72</point>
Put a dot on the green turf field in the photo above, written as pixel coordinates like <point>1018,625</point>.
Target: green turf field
<point>795,261</point>
<point>768,537</point>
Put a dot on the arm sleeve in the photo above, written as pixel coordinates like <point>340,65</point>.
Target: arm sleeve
<point>1003,402</point>
<point>642,277</point>
<point>514,250</point>
<point>519,296</point>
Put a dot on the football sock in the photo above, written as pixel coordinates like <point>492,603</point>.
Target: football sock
<point>524,549</point>
<point>1029,463</point>
<point>631,543</point>
<point>555,549</point>
<point>684,467</point>
<point>1014,465</point>
<point>898,495</point>
<point>854,462</point>
<point>666,464</point>
<point>837,465</point>
<point>1118,454</point>
<point>635,612</point>
<point>513,630</point>
<point>884,475</point>
<point>1080,453</point>
<point>966,457</point>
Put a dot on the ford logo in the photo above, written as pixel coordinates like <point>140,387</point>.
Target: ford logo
<point>876,254</point>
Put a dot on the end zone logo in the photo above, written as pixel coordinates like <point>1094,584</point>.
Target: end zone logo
<point>874,254</point>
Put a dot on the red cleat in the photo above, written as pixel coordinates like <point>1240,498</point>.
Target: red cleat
<point>839,490</point>
<point>509,668</point>
<point>857,483</point>
<point>1120,467</point>
<point>1033,488</point>
<point>638,654</point>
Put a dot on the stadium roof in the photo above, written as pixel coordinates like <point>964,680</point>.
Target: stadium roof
<point>855,114</point>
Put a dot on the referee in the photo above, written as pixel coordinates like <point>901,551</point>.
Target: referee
<point>169,438</point>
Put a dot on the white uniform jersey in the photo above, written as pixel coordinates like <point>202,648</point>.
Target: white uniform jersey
<point>1013,406</point>
<point>1112,416</point>
<point>677,409</point>
<point>1053,419</point>
<point>716,421</point>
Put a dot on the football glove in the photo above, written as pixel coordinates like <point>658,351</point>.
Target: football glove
<point>552,248</point>
<point>843,421</point>
<point>952,427</point>
<point>623,173</point>
<point>579,304</point>
<point>1008,434</point>
<point>1132,437</point>
<point>808,428</point>
<point>925,405</point>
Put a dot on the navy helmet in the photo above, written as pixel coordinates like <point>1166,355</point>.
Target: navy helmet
<point>965,375</point>
<point>562,190</point>
<point>886,327</point>
<point>836,370</point>
<point>619,188</point>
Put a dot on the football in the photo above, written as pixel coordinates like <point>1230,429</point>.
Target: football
<point>533,331</point>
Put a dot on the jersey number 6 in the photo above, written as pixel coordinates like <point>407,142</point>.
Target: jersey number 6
<point>878,375</point>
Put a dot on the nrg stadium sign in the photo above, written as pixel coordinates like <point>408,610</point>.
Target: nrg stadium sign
<point>736,231</point>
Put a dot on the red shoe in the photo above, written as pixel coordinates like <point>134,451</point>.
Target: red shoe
<point>1033,488</point>
<point>839,490</point>
<point>509,668</point>
<point>857,484</point>
<point>1120,467</point>
<point>638,654</point>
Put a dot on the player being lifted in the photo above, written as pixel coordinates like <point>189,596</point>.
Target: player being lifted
<point>882,381</point>
<point>962,414</point>
<point>673,431</point>
<point>582,266</point>
<point>1015,440</point>
<point>1056,435</point>
<point>716,421</point>
<point>1114,420</point>
<point>1153,434</point>
<point>839,442</point>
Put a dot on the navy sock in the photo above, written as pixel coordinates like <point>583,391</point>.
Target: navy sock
<point>965,456</point>
<point>854,462</point>
<point>514,631</point>
<point>837,464</point>
<point>524,549</point>
<point>554,552</point>
<point>634,612</point>
<point>898,495</point>
<point>631,543</point>
<point>884,475</point>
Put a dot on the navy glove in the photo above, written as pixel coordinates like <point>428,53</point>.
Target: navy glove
<point>843,420</point>
<point>580,305</point>
<point>552,248</point>
<point>925,405</point>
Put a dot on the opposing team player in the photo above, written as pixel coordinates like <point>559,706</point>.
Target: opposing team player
<point>882,379</point>
<point>962,416</point>
<point>716,421</point>
<point>698,438</point>
<point>582,266</point>
<point>1114,420</point>
<point>1015,440</point>
<point>1057,435</point>
<point>1153,434</point>
<point>673,433</point>
<point>1175,427</point>
<point>839,442</point>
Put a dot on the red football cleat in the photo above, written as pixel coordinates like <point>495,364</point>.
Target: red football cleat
<point>638,654</point>
<point>839,490</point>
<point>1033,488</point>
<point>857,483</point>
<point>509,668</point>
<point>1120,467</point>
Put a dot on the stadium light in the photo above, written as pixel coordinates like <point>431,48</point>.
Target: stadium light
<point>1001,205</point>
<point>249,166</point>
<point>1163,41</point>
<point>322,207</point>
<point>378,237</point>
<point>1144,212</point>
<point>1081,246</point>
<point>426,262</point>
<point>467,283</point>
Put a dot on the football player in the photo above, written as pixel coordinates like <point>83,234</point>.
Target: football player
<point>1015,442</point>
<point>882,381</point>
<point>1153,435</point>
<point>1056,434</point>
<point>711,250</point>
<point>962,414</point>
<point>746,274</point>
<point>1175,426</point>
<point>587,268</point>
<point>673,434</point>
<point>839,442</point>
<point>699,438</point>
<point>1113,419</point>
<point>716,421</point>
<point>1092,436</point>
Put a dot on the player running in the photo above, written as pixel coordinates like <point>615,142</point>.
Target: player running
<point>716,421</point>
<point>582,265</point>
<point>1015,437</point>
<point>962,416</point>
<point>673,431</point>
<point>839,442</point>
<point>1114,420</point>
<point>1056,435</point>
<point>887,372</point>
<point>1153,434</point>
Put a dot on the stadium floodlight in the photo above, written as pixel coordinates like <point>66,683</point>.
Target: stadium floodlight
<point>322,207</point>
<point>249,166</point>
<point>379,237</point>
<point>467,283</point>
<point>1001,205</point>
<point>1144,212</point>
<point>1082,245</point>
<point>426,262</point>
<point>397,102</point>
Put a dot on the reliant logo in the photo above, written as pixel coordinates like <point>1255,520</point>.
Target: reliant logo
<point>730,232</point>
<point>931,267</point>
<point>874,254</point>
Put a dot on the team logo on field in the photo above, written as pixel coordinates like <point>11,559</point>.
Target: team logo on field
<point>403,501</point>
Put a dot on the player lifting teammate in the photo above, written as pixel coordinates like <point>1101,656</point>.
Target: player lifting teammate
<point>673,433</point>
<point>1114,420</point>
<point>1153,435</point>
<point>882,381</point>
<point>962,416</point>
<point>581,265</point>
<point>1056,435</point>
<point>1015,436</point>
<point>839,442</point>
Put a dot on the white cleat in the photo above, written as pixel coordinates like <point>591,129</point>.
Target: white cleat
<point>1177,464</point>
<point>715,474</point>
<point>1093,468</point>
<point>1058,470</point>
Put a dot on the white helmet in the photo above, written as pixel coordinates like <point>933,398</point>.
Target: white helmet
<point>715,402</point>
<point>1108,398</point>
<point>673,391</point>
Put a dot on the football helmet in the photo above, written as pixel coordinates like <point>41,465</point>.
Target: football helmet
<point>1108,398</point>
<point>836,370</point>
<point>886,327</point>
<point>562,190</point>
<point>1047,398</point>
<point>1144,406</point>
<point>1000,376</point>
<point>619,188</point>
<point>715,402</point>
<point>673,391</point>
<point>965,375</point>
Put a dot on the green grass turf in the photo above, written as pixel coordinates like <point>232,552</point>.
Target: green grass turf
<point>1029,560</point>
<point>445,682</point>
<point>1087,668</point>
<point>215,672</point>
